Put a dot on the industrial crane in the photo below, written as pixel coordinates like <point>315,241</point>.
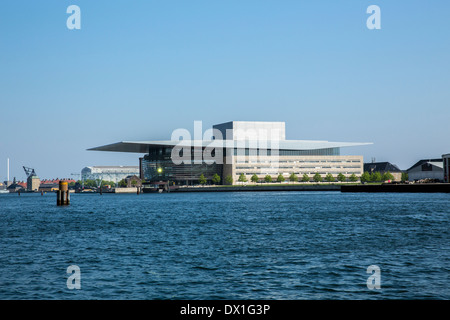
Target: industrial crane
<point>29,172</point>
<point>32,182</point>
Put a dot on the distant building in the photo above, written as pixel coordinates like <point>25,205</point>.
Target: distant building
<point>240,148</point>
<point>109,173</point>
<point>22,184</point>
<point>15,187</point>
<point>33,183</point>
<point>6,184</point>
<point>56,181</point>
<point>427,169</point>
<point>446,163</point>
<point>383,167</point>
<point>49,187</point>
<point>133,181</point>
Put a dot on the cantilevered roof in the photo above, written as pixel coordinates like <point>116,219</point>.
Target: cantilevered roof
<point>143,146</point>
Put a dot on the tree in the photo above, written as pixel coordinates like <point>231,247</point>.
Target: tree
<point>387,176</point>
<point>202,179</point>
<point>112,184</point>
<point>365,177</point>
<point>341,177</point>
<point>242,178</point>
<point>317,177</point>
<point>280,178</point>
<point>254,178</point>
<point>293,177</point>
<point>216,178</point>
<point>268,178</point>
<point>353,178</point>
<point>305,178</point>
<point>229,180</point>
<point>329,177</point>
<point>133,183</point>
<point>375,176</point>
<point>405,177</point>
<point>89,183</point>
<point>122,183</point>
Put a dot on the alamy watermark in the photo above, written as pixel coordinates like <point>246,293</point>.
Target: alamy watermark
<point>74,280</point>
<point>74,20</point>
<point>258,146</point>
<point>374,280</point>
<point>374,21</point>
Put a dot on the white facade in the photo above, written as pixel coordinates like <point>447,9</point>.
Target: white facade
<point>252,130</point>
<point>252,148</point>
<point>299,165</point>
<point>109,173</point>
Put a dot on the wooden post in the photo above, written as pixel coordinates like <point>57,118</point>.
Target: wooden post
<point>63,195</point>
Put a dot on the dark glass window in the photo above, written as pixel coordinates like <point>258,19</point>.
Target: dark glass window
<point>157,165</point>
<point>316,152</point>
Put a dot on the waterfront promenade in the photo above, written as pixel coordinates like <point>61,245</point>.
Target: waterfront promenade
<point>404,188</point>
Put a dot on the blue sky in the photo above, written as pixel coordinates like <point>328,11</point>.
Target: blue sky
<point>139,69</point>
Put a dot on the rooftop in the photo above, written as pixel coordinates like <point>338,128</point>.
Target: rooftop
<point>112,167</point>
<point>143,146</point>
<point>435,162</point>
<point>235,134</point>
<point>381,167</point>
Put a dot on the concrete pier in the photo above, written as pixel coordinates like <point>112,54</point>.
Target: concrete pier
<point>250,188</point>
<point>413,188</point>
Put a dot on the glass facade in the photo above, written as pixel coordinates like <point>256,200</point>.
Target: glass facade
<point>157,165</point>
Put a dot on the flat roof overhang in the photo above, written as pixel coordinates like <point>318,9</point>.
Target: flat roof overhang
<point>144,146</point>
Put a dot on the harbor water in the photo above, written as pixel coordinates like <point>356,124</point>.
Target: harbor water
<point>252,245</point>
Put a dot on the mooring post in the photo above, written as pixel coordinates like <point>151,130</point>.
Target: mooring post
<point>63,195</point>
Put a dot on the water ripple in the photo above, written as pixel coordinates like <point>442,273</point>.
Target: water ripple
<point>274,245</point>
